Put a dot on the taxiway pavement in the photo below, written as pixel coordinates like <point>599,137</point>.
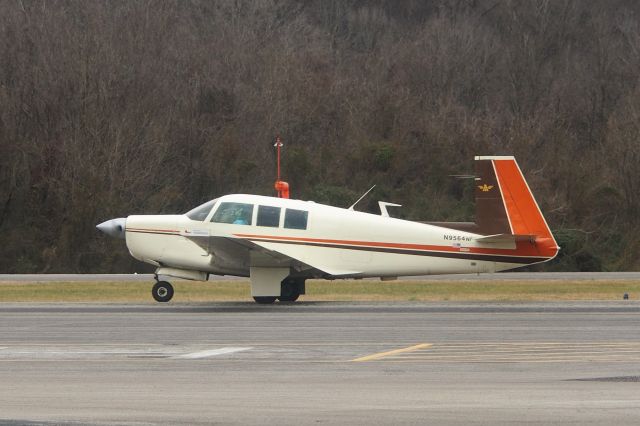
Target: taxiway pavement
<point>321,363</point>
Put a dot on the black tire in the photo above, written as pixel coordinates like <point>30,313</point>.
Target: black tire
<point>162,291</point>
<point>290,289</point>
<point>264,300</point>
<point>289,297</point>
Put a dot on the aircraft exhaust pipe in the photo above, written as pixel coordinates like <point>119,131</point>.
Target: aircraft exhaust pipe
<point>114,227</point>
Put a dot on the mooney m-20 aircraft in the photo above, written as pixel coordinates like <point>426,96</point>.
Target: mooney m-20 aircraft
<point>280,242</point>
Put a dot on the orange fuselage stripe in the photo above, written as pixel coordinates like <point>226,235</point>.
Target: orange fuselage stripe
<point>152,230</point>
<point>523,248</point>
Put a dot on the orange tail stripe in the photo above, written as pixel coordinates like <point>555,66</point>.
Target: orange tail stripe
<point>523,211</point>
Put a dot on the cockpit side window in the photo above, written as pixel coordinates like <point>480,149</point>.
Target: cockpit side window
<point>295,219</point>
<point>268,216</point>
<point>235,213</point>
<point>201,212</point>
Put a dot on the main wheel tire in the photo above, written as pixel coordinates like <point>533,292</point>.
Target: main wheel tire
<point>289,297</point>
<point>264,300</point>
<point>290,289</point>
<point>162,291</point>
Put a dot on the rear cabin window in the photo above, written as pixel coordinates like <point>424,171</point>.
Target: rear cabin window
<point>295,219</point>
<point>235,213</point>
<point>201,212</point>
<point>268,216</point>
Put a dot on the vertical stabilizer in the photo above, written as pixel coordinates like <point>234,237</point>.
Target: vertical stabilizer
<point>505,204</point>
<point>491,213</point>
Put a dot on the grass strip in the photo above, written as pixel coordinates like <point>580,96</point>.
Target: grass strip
<point>319,290</point>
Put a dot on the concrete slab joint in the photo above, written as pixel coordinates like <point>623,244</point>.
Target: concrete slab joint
<point>266,281</point>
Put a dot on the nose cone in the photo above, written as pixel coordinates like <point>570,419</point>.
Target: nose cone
<point>114,227</point>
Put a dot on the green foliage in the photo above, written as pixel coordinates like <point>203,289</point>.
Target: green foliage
<point>297,166</point>
<point>382,157</point>
<point>220,103</point>
<point>332,195</point>
<point>375,158</point>
<point>576,253</point>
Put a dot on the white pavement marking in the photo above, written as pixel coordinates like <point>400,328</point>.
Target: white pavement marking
<point>212,352</point>
<point>20,352</point>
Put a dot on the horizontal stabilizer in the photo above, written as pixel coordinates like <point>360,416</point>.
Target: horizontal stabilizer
<point>505,238</point>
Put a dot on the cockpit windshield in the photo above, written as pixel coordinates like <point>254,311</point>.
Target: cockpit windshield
<point>201,212</point>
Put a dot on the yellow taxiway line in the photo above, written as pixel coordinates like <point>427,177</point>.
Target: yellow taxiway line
<point>380,355</point>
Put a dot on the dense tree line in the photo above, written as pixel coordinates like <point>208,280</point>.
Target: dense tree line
<point>122,107</point>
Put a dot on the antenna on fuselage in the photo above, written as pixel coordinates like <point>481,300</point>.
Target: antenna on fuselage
<point>383,207</point>
<point>282,188</point>
<point>360,199</point>
<point>474,177</point>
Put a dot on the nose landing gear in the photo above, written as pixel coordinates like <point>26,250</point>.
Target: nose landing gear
<point>162,291</point>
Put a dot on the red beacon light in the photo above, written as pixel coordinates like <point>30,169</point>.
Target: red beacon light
<point>281,187</point>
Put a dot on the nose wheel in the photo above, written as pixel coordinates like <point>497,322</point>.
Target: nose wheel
<point>162,291</point>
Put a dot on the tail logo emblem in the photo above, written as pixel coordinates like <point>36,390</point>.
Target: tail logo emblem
<point>485,188</point>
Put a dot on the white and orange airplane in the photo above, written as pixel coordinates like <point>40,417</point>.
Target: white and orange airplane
<point>280,242</point>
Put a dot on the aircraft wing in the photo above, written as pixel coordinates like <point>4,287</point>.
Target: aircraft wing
<point>235,252</point>
<point>294,253</point>
<point>240,252</point>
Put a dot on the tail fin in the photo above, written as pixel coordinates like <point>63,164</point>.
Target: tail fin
<point>505,204</point>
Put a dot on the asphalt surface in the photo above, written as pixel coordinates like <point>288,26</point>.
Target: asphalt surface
<point>321,363</point>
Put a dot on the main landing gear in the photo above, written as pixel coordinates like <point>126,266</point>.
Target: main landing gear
<point>264,300</point>
<point>290,290</point>
<point>162,291</point>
